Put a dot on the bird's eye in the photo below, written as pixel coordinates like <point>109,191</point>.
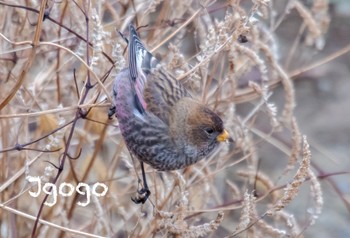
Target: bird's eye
<point>209,130</point>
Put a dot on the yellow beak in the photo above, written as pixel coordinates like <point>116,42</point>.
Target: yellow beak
<point>224,136</point>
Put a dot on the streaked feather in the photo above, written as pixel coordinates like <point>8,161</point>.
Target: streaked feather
<point>161,123</point>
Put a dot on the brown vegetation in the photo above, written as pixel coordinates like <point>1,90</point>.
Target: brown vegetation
<point>58,62</point>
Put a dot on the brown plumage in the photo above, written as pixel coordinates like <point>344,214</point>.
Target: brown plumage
<point>161,123</point>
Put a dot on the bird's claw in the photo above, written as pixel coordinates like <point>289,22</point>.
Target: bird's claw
<point>143,196</point>
<point>111,112</point>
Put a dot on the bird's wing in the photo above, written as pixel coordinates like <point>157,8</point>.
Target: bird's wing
<point>155,89</point>
<point>162,92</point>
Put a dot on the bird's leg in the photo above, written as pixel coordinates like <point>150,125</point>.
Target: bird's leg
<point>144,191</point>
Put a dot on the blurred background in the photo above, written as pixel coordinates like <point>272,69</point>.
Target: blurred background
<point>306,41</point>
<point>323,114</point>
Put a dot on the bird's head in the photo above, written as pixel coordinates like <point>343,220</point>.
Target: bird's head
<point>205,128</point>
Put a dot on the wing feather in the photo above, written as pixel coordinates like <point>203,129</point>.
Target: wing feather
<point>155,89</point>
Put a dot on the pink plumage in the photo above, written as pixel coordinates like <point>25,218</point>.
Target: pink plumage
<point>161,123</point>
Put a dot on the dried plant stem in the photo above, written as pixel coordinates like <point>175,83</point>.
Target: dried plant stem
<point>223,52</point>
<point>71,52</point>
<point>41,221</point>
<point>326,60</point>
<point>53,111</point>
<point>31,57</point>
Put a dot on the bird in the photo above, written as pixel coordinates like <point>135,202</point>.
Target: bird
<point>161,123</point>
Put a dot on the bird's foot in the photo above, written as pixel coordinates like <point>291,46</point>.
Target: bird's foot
<point>111,112</point>
<point>142,197</point>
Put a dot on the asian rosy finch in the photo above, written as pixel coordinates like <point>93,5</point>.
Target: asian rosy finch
<point>161,123</point>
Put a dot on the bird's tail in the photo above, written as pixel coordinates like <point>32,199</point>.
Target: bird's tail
<point>140,60</point>
<point>141,63</point>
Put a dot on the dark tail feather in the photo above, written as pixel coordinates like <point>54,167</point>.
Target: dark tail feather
<point>135,46</point>
<point>136,51</point>
<point>139,57</point>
